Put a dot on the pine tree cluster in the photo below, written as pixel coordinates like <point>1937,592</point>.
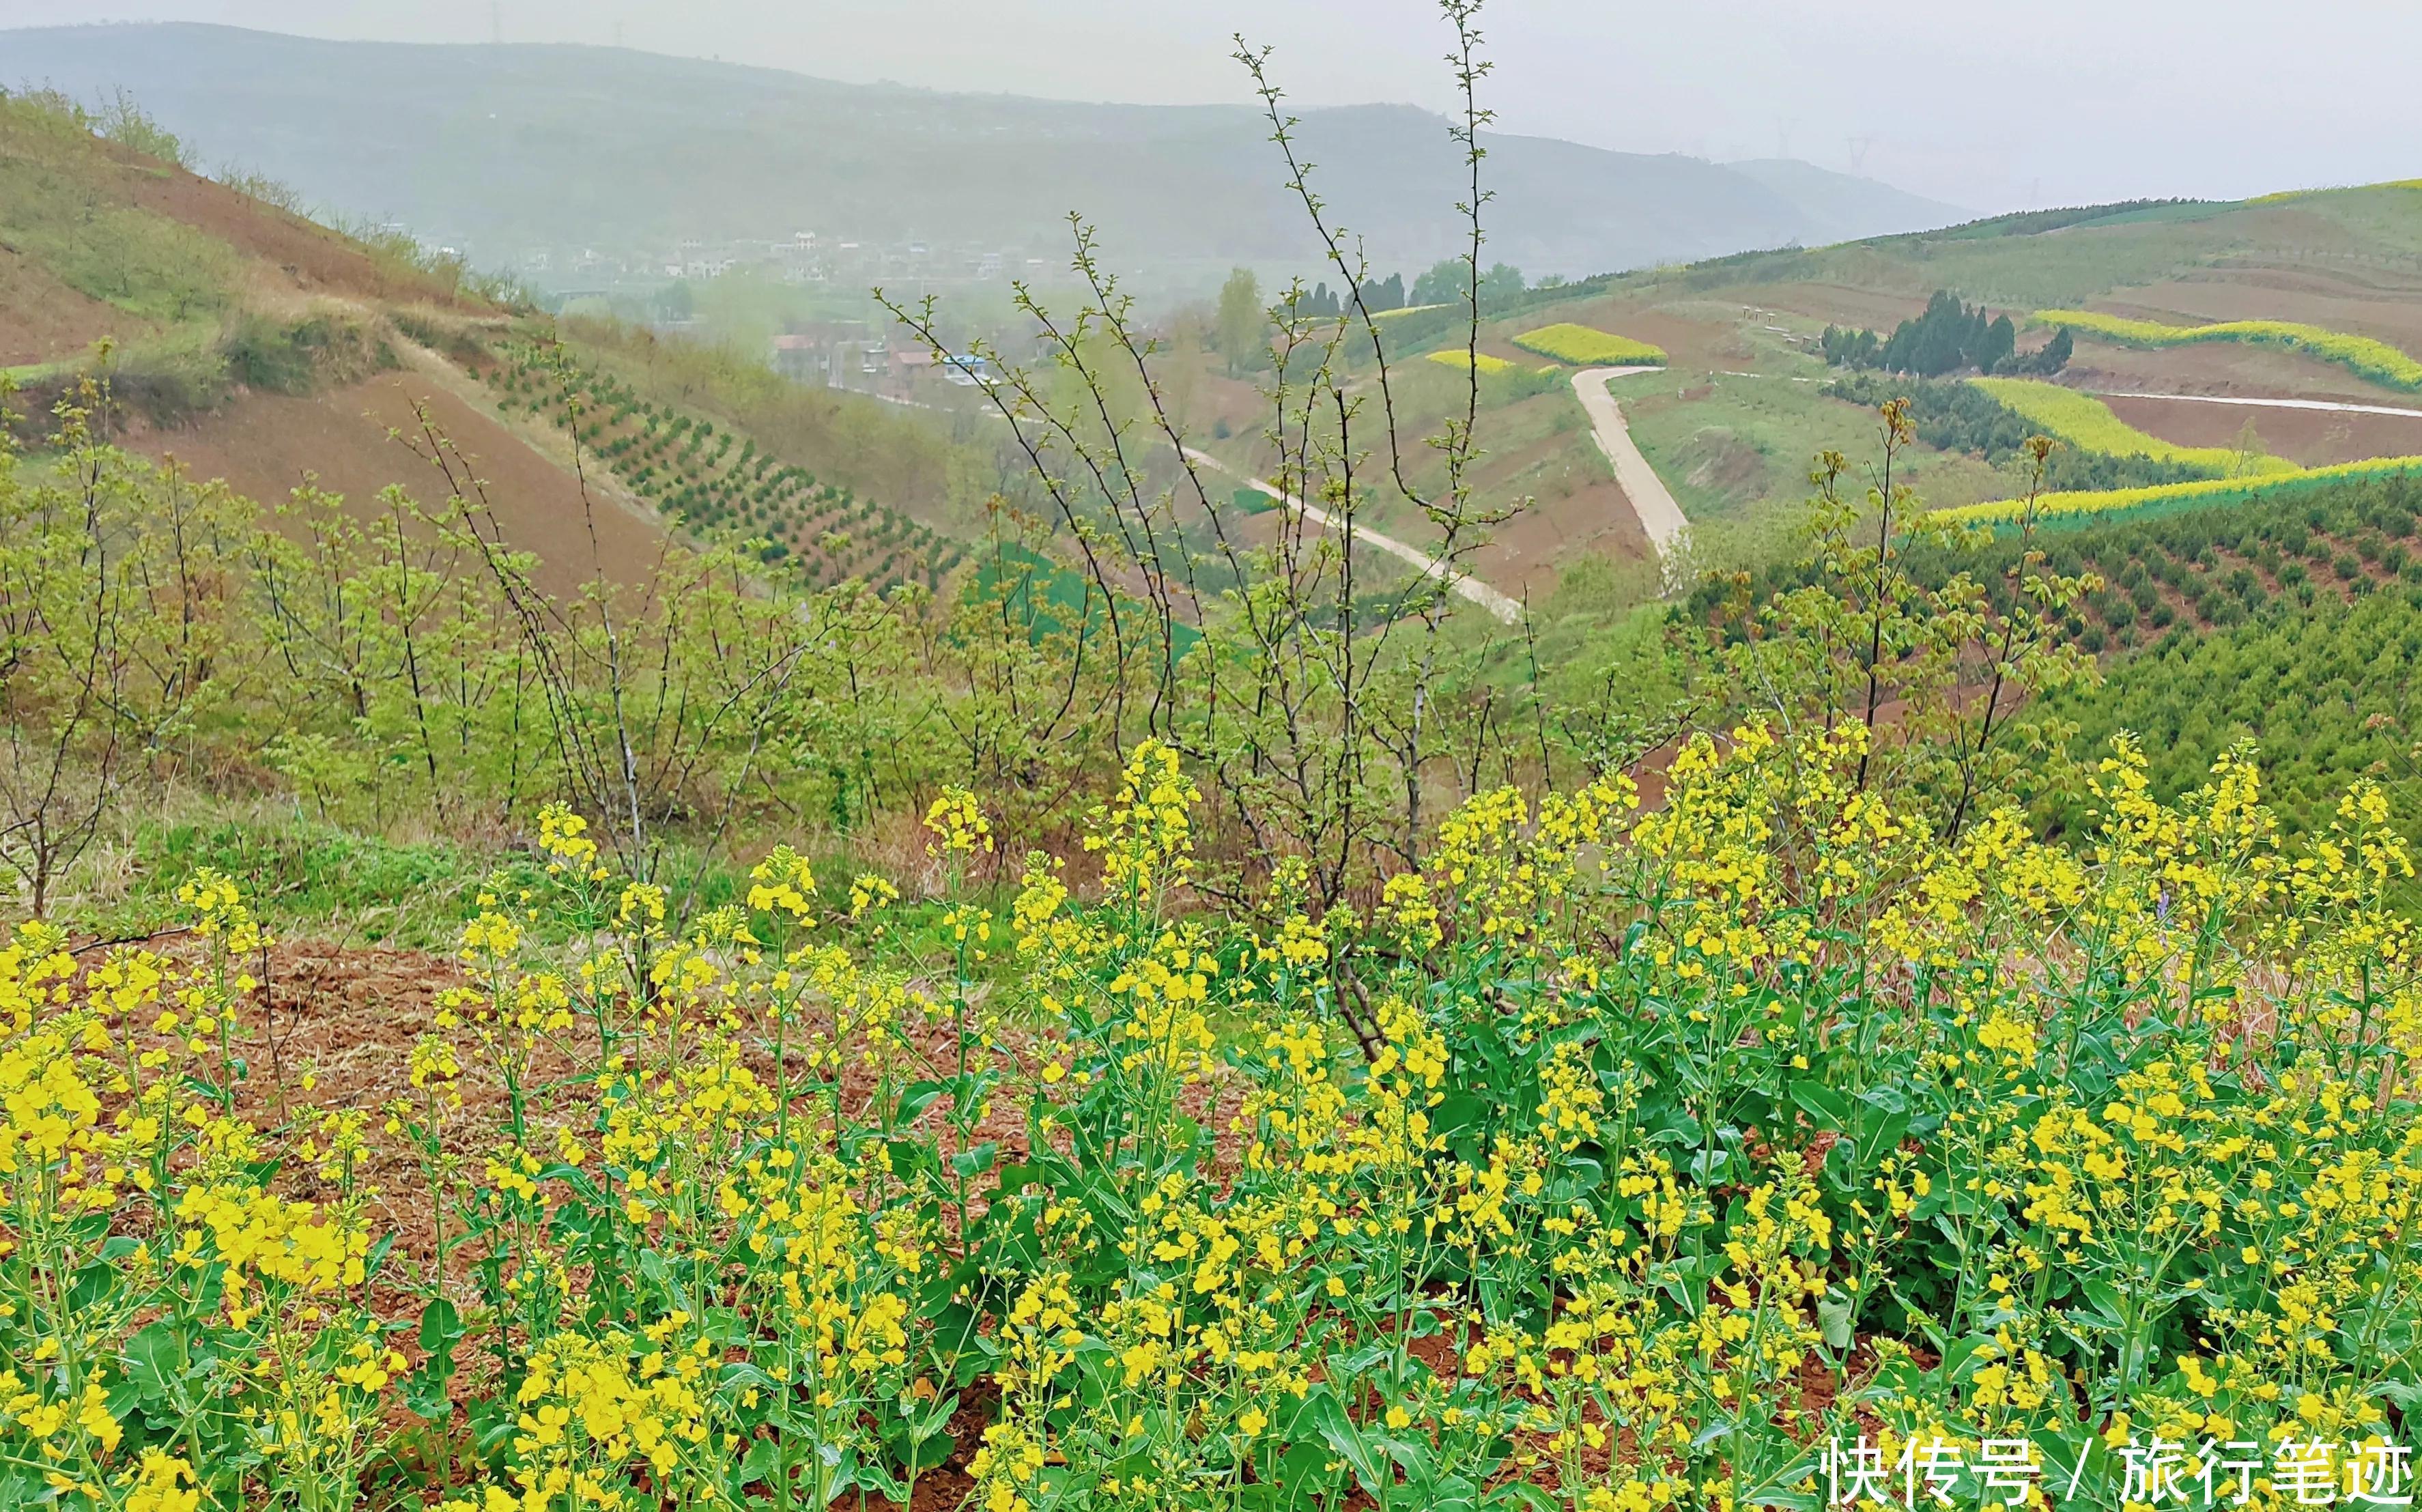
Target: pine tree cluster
<point>1949,337</point>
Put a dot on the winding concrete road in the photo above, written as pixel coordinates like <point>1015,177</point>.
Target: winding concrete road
<point>1462,584</point>
<point>1661,518</point>
<point>2264,404</point>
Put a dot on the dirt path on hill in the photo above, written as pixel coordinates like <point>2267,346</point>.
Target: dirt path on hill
<point>1462,584</point>
<point>1660,519</point>
<point>550,441</point>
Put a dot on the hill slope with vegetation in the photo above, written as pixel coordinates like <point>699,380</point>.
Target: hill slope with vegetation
<point>1200,1023</point>
<point>2314,297</point>
<point>259,348</point>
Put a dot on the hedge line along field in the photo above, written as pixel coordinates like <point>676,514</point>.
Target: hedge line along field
<point>2066,510</point>
<point>1584,346</point>
<point>2361,354</point>
<point>2087,423</point>
<point>1659,1152</point>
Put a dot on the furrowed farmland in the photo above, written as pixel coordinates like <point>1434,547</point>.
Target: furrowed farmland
<point>2369,359</point>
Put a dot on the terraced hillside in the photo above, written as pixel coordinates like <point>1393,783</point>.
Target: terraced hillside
<point>715,481</point>
<point>2293,622</point>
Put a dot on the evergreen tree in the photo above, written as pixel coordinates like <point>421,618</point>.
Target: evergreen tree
<point>1949,336</point>
<point>2001,339</point>
<point>2050,357</point>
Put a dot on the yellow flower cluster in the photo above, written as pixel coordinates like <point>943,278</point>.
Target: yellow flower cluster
<point>1145,837</point>
<point>2201,492</point>
<point>2363,355</point>
<point>1636,1151</point>
<point>1583,345</point>
<point>958,825</point>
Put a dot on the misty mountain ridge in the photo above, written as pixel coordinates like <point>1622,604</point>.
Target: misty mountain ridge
<point>503,148</point>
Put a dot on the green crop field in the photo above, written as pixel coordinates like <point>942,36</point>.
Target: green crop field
<point>1745,444</point>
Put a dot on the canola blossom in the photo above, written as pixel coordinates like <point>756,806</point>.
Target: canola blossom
<point>1460,358</point>
<point>1719,1151</point>
<point>1586,346</point>
<point>2087,423</point>
<point>2361,354</point>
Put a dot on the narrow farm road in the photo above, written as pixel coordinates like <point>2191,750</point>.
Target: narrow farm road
<point>2264,404</point>
<point>1462,584</point>
<point>1661,518</point>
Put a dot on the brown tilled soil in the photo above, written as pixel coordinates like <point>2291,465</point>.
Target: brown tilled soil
<point>2365,301</point>
<point>315,259</point>
<point>1524,554</point>
<point>42,320</point>
<point>2218,367</point>
<point>265,445</point>
<point>2312,437</point>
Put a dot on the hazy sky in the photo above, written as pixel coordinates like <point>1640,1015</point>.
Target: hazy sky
<point>1985,105</point>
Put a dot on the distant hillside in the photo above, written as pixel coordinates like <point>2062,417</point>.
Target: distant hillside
<point>1840,207</point>
<point>499,149</point>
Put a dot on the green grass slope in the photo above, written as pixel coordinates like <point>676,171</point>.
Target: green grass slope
<point>197,288</point>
